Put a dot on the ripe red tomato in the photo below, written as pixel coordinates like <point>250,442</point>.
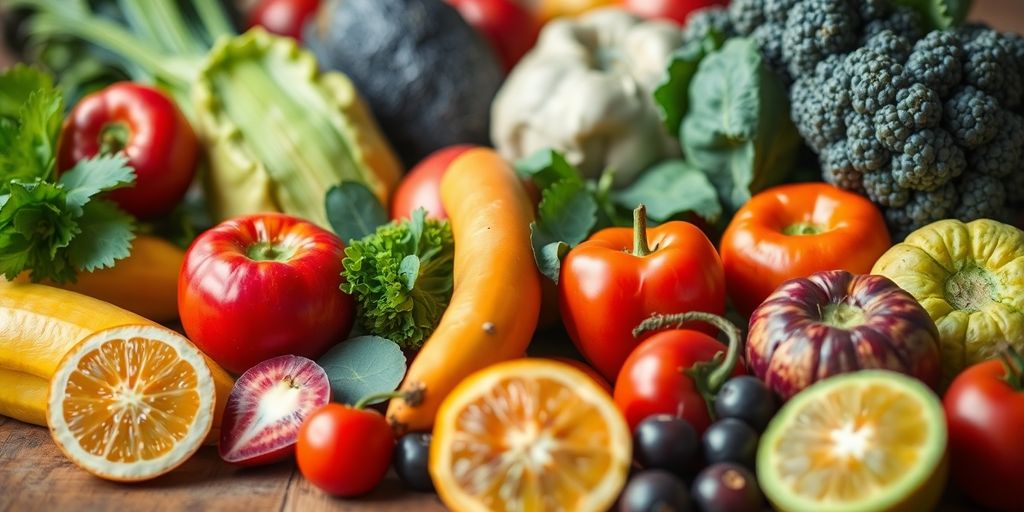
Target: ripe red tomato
<point>147,126</point>
<point>511,28</point>
<point>653,379</point>
<point>262,286</point>
<point>675,10</point>
<point>985,415</point>
<point>343,450</point>
<point>283,17</point>
<point>421,187</point>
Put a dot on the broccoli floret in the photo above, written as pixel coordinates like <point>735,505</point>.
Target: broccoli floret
<point>980,197</point>
<point>890,44</point>
<point>902,20</point>
<point>776,11</point>
<point>866,153</point>
<point>870,10</point>
<point>892,127</point>
<point>700,23</point>
<point>1015,188</point>
<point>747,15</point>
<point>820,103</point>
<point>972,117</point>
<point>922,208</point>
<point>769,40</point>
<point>992,67</point>
<point>1004,155</point>
<point>816,29</point>
<point>874,80</point>
<point>881,188</point>
<point>838,170</point>
<point>919,107</point>
<point>936,62</point>
<point>930,159</point>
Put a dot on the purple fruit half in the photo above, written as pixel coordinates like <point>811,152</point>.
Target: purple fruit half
<point>835,322</point>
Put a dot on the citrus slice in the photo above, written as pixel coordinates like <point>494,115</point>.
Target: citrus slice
<point>131,403</point>
<point>529,434</point>
<point>860,442</point>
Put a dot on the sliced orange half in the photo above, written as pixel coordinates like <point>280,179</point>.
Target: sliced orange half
<point>868,441</point>
<point>131,403</point>
<point>529,435</point>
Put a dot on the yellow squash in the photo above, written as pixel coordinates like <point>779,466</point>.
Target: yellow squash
<point>39,324</point>
<point>145,283</point>
<point>496,301</point>
<point>970,279</point>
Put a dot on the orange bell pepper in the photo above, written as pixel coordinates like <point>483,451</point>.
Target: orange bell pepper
<point>792,231</point>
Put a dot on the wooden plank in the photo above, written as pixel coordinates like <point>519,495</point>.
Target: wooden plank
<point>35,475</point>
<point>389,496</point>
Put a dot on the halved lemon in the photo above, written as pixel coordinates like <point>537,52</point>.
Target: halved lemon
<point>529,435</point>
<point>859,442</point>
<point>131,403</point>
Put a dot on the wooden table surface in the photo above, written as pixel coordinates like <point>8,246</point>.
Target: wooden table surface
<point>34,475</point>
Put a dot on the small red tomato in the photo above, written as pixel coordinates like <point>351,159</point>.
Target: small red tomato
<point>675,10</point>
<point>657,377</point>
<point>343,450</point>
<point>149,129</point>
<point>283,17</point>
<point>261,286</point>
<point>421,187</point>
<point>985,414</point>
<point>511,28</point>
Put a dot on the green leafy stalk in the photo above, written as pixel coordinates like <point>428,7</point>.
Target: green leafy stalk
<point>401,278</point>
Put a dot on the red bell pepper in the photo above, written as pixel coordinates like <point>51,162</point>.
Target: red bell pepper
<point>985,415</point>
<point>262,286</point>
<point>152,132</point>
<point>620,276</point>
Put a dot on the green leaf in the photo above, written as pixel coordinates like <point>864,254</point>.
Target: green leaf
<point>17,84</point>
<point>567,214</point>
<point>105,238</point>
<point>28,143</point>
<point>547,167</point>
<point>940,14</point>
<point>354,211</point>
<point>35,229</point>
<point>670,188</point>
<point>94,175</point>
<point>409,271</point>
<point>672,95</point>
<point>363,366</point>
<point>738,130</point>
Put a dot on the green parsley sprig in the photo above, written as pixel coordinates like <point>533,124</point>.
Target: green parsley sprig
<point>53,227</point>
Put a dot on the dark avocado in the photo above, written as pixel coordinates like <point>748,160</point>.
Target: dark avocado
<point>428,76</point>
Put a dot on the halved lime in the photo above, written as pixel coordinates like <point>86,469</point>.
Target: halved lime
<point>858,442</point>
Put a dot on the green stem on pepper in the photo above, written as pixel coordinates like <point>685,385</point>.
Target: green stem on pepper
<point>708,377</point>
<point>640,247</point>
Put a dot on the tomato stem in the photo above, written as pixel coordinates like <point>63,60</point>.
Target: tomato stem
<point>708,377</point>
<point>1013,367</point>
<point>640,247</point>
<point>114,138</point>
<point>412,396</point>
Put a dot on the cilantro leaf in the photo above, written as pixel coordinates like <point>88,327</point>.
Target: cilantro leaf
<point>106,235</point>
<point>94,175</point>
<point>547,167</point>
<point>28,143</point>
<point>567,214</point>
<point>363,366</point>
<point>35,226</point>
<point>670,188</point>
<point>17,84</point>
